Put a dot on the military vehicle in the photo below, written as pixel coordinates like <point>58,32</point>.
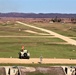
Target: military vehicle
<point>24,54</point>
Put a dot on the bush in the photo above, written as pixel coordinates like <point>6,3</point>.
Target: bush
<point>56,19</point>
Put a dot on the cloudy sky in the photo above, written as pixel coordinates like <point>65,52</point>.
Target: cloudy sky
<point>38,6</point>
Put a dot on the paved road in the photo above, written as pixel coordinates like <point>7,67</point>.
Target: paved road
<point>67,39</point>
<point>36,61</point>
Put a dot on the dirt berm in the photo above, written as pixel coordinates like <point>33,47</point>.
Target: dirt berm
<point>42,71</point>
<point>2,71</point>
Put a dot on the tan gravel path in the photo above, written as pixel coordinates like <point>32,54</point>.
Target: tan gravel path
<point>37,60</point>
<point>67,39</point>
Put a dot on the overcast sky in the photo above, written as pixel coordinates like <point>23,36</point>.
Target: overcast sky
<point>38,6</point>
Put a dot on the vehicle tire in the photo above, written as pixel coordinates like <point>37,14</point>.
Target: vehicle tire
<point>20,55</point>
<point>28,57</point>
<point>25,55</point>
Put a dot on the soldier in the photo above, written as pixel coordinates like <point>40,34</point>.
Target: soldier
<point>41,59</point>
<point>22,49</point>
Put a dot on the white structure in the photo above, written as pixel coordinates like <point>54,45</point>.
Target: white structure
<point>69,70</point>
<point>11,70</point>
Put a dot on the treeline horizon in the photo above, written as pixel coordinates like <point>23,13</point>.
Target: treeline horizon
<point>38,15</point>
